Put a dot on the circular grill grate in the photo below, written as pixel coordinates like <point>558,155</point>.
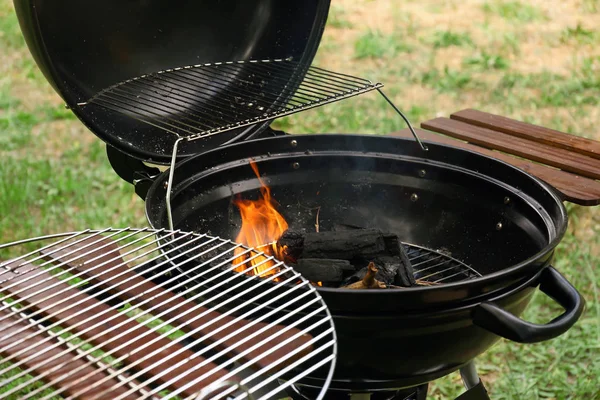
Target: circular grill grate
<point>78,319</point>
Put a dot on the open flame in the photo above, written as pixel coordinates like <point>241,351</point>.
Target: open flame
<point>262,225</point>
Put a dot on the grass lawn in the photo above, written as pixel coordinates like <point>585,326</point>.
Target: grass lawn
<point>537,61</point>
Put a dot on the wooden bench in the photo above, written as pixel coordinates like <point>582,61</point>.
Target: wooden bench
<point>569,163</point>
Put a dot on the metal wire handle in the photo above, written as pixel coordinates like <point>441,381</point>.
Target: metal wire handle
<point>170,183</point>
<point>412,130</point>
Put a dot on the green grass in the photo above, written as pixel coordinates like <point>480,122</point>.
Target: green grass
<point>10,31</point>
<point>591,6</point>
<point>442,39</point>
<point>580,35</point>
<point>448,80</point>
<point>580,89</point>
<point>337,17</point>
<point>374,44</point>
<point>23,392</point>
<point>511,43</point>
<point>487,61</point>
<point>514,11</point>
<point>54,194</point>
<point>551,90</point>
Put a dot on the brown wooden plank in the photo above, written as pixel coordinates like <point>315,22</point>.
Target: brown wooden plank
<point>574,188</point>
<point>130,285</point>
<point>99,319</point>
<point>25,341</point>
<point>560,158</point>
<point>535,133</point>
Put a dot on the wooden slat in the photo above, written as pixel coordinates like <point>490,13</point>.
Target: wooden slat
<point>131,285</point>
<point>574,188</point>
<point>535,133</point>
<point>560,158</point>
<point>36,286</point>
<point>25,343</point>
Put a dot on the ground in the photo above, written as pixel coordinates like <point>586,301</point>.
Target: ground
<point>536,60</point>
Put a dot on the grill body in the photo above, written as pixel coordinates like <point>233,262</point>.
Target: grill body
<point>501,221</point>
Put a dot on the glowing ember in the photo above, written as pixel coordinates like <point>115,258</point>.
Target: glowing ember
<point>261,224</point>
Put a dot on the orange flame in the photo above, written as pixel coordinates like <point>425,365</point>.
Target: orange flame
<point>262,225</point>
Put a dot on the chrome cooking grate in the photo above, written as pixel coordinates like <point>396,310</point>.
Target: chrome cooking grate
<point>101,315</point>
<point>203,100</point>
<point>436,266</point>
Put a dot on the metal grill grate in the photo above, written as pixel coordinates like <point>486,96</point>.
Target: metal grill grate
<point>437,267</point>
<point>99,315</point>
<point>203,100</point>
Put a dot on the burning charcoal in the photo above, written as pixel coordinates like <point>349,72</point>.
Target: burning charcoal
<point>293,242</point>
<point>342,245</point>
<point>369,281</point>
<point>323,270</point>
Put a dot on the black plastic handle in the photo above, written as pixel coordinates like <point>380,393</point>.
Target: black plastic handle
<point>496,320</point>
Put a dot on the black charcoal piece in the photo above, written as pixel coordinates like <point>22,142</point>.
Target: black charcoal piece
<point>405,275</point>
<point>323,270</point>
<point>393,246</point>
<point>337,227</point>
<point>293,242</point>
<point>343,245</point>
<point>357,276</point>
<point>387,269</point>
<point>386,273</point>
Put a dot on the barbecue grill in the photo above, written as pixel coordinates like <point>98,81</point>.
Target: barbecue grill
<point>195,87</point>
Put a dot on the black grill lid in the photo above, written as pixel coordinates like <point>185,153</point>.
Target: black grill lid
<point>86,47</point>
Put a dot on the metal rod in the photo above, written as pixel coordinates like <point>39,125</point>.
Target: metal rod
<point>469,375</point>
<point>414,133</point>
<point>170,183</point>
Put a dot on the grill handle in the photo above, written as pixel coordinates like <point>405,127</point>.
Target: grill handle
<point>491,317</point>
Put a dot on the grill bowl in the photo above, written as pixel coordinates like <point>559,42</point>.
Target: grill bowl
<point>497,219</point>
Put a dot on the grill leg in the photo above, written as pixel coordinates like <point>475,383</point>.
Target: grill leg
<point>474,386</point>
<point>469,375</point>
